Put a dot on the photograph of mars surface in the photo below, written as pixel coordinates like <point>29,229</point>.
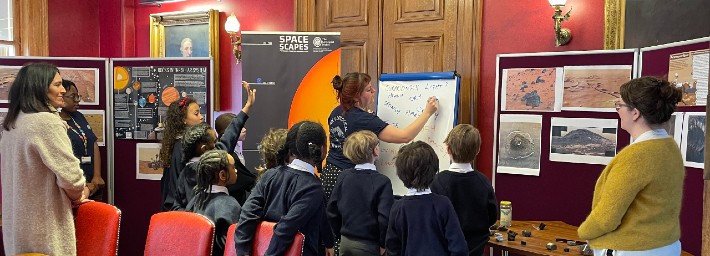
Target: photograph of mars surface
<point>519,143</point>
<point>532,89</point>
<point>87,82</point>
<point>7,76</point>
<point>583,140</point>
<point>593,88</point>
<point>147,160</point>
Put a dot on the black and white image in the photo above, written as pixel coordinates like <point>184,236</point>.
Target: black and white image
<point>519,144</point>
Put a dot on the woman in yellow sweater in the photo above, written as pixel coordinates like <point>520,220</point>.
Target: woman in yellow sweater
<point>637,198</point>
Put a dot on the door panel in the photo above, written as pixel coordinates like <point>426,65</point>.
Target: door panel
<point>419,36</point>
<point>358,21</point>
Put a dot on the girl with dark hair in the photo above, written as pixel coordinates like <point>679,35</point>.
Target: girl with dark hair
<point>247,178</point>
<point>356,95</point>
<point>180,115</point>
<point>637,198</point>
<point>197,140</point>
<point>83,139</point>
<point>292,196</point>
<point>215,171</point>
<point>41,178</point>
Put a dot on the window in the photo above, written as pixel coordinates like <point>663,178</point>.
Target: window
<point>7,33</point>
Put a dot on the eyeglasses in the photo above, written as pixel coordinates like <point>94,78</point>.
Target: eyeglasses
<point>618,105</point>
<point>75,97</point>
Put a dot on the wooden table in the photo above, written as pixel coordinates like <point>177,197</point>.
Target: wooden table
<point>536,244</point>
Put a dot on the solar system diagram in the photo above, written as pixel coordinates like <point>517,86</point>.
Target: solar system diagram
<point>142,96</point>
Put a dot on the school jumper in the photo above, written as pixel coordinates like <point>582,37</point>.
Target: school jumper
<point>223,210</point>
<point>37,165</point>
<point>292,197</point>
<point>359,209</point>
<point>185,185</point>
<point>169,181</point>
<point>423,223</point>
<point>473,199</point>
<point>245,181</point>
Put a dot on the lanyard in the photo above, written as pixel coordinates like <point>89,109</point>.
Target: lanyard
<point>81,134</point>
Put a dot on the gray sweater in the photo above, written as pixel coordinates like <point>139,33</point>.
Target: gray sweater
<point>37,167</point>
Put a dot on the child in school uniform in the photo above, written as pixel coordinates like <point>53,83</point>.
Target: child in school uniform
<point>247,178</point>
<point>469,190</point>
<point>215,171</point>
<point>360,205</point>
<point>292,196</point>
<point>198,139</point>
<point>422,223</point>
<point>181,115</point>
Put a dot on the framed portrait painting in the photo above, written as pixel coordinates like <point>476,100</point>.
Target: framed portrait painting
<point>185,35</point>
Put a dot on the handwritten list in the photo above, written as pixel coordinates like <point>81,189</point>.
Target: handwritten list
<point>399,103</point>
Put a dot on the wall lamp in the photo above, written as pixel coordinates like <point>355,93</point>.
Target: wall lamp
<point>562,35</point>
<point>232,27</point>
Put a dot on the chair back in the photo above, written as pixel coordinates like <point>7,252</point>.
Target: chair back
<point>230,248</point>
<point>97,227</point>
<point>262,238</point>
<point>179,233</point>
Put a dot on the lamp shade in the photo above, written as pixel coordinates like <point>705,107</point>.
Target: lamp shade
<point>232,24</point>
<point>557,2</point>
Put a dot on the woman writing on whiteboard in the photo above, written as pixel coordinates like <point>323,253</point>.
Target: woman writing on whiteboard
<point>637,198</point>
<point>356,95</point>
<point>83,139</point>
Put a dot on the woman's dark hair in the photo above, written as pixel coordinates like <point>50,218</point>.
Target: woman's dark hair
<point>349,88</point>
<point>655,98</point>
<point>68,84</point>
<point>28,93</point>
<point>193,137</point>
<point>222,122</point>
<point>174,127</point>
<point>208,168</point>
<point>309,142</point>
<point>417,164</point>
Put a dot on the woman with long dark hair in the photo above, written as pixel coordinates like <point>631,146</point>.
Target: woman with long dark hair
<point>41,178</point>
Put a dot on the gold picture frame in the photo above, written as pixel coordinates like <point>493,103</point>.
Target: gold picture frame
<point>614,23</point>
<point>169,33</point>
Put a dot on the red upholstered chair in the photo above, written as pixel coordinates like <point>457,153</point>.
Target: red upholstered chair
<point>97,226</point>
<point>179,233</point>
<point>229,246</point>
<point>263,235</point>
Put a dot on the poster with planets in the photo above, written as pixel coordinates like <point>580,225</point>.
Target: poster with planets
<point>142,96</point>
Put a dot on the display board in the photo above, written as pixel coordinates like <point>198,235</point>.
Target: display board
<point>136,179</point>
<point>142,95</point>
<point>689,61</point>
<point>565,175</point>
<point>401,98</point>
<point>529,135</point>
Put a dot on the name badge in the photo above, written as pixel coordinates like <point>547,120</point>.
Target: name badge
<point>85,160</point>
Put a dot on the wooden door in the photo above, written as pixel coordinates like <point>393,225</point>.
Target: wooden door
<point>419,36</point>
<point>396,36</point>
<point>359,23</point>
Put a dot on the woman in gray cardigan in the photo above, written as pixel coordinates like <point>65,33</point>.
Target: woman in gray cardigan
<point>41,178</point>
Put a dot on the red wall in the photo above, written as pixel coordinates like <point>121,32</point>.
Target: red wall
<point>512,26</point>
<point>73,28</point>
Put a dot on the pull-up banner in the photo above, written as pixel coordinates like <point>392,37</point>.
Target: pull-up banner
<point>292,73</point>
